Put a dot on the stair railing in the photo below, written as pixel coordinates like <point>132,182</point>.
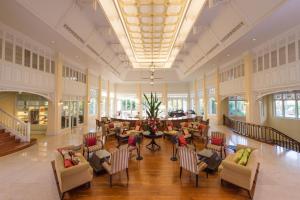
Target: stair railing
<point>261,133</point>
<point>17,127</point>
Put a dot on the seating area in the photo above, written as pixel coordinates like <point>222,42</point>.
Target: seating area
<point>149,99</point>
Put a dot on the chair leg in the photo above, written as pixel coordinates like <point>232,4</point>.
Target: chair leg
<point>127,174</point>
<point>225,152</point>
<point>180,172</point>
<point>250,195</point>
<point>62,196</point>
<point>221,154</point>
<point>110,180</point>
<point>197,177</point>
<point>206,174</point>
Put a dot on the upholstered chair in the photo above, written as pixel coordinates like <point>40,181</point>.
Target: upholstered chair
<point>118,163</point>
<point>189,161</point>
<point>216,142</point>
<point>91,143</point>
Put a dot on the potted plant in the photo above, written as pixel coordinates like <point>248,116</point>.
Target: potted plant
<point>152,109</point>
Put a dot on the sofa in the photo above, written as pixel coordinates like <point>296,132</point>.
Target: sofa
<point>240,175</point>
<point>72,177</point>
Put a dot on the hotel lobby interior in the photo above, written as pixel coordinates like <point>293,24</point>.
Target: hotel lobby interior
<point>149,99</point>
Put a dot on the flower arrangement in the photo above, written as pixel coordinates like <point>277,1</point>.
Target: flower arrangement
<point>152,109</point>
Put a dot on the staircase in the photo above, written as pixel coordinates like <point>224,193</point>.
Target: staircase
<point>14,134</point>
<point>10,144</point>
<point>261,133</point>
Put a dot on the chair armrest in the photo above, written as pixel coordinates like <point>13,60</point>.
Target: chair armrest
<point>236,167</point>
<point>74,169</point>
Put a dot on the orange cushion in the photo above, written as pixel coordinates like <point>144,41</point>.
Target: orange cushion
<point>201,126</point>
<point>182,141</point>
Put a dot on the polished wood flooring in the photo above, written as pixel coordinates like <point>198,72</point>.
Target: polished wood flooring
<point>156,177</point>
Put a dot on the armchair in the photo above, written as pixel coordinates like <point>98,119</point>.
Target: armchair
<point>118,163</point>
<point>190,162</point>
<point>91,143</point>
<point>217,143</point>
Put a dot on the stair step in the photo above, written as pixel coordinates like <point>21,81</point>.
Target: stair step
<point>2,130</point>
<point>7,138</point>
<point>4,134</point>
<point>4,143</point>
<point>8,149</point>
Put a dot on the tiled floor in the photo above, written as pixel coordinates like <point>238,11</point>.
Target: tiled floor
<point>27,175</point>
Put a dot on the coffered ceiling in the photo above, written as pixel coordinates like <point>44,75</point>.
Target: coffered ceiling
<point>120,39</point>
<point>152,31</point>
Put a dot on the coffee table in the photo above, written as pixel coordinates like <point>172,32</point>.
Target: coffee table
<point>153,146</point>
<point>211,158</point>
<point>98,158</point>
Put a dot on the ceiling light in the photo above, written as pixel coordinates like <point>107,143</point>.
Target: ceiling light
<point>52,41</point>
<point>151,82</point>
<point>228,55</point>
<point>253,39</point>
<point>151,77</point>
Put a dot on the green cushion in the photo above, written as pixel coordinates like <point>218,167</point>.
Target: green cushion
<point>244,158</point>
<point>238,155</point>
<point>249,150</point>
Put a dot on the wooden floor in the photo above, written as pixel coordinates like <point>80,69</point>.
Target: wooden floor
<point>156,177</point>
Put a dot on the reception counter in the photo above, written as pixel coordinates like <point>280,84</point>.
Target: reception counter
<point>176,121</point>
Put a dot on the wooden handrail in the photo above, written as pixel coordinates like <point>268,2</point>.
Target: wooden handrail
<point>261,133</point>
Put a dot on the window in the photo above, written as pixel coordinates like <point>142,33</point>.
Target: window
<point>266,61</point>
<point>9,51</point>
<point>287,105</point>
<point>41,63</point>
<point>282,56</point>
<point>177,102</point>
<point>236,106</point>
<point>274,58</point>
<point>291,52</point>
<point>18,55</point>
<point>47,65</point>
<point>1,48</point>
<point>52,67</point>
<point>93,102</point>
<point>212,109</point>
<point>260,63</point>
<point>201,108</point>
<point>27,55</point>
<point>34,60</point>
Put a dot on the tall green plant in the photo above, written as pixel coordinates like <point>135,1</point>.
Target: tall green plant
<point>152,106</point>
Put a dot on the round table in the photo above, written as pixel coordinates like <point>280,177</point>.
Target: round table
<point>153,146</point>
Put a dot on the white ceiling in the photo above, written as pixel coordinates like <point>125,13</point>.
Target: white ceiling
<point>98,48</point>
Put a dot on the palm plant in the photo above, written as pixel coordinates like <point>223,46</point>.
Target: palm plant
<point>152,106</point>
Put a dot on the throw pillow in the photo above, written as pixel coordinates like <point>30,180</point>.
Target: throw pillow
<point>244,158</point>
<point>111,125</point>
<point>238,155</point>
<point>185,131</point>
<point>182,141</point>
<point>137,127</point>
<point>131,141</point>
<point>91,141</point>
<point>68,163</point>
<point>217,141</point>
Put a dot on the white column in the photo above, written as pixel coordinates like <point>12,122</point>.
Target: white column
<point>99,97</point>
<point>87,102</point>
<point>54,107</point>
<point>108,99</point>
<point>218,98</point>
<point>139,99</point>
<point>204,97</point>
<point>248,88</point>
<point>196,98</point>
<point>165,97</point>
